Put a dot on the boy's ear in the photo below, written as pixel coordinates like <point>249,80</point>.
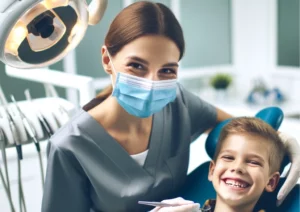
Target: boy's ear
<point>105,60</point>
<point>211,170</point>
<point>273,181</point>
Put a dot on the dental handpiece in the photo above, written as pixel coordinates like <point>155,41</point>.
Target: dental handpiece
<point>13,128</point>
<point>30,130</point>
<point>50,90</point>
<point>6,184</point>
<point>17,141</point>
<point>63,110</point>
<point>42,120</point>
<point>15,135</point>
<point>12,125</point>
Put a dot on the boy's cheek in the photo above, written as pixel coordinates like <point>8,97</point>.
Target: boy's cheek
<point>215,172</point>
<point>221,166</point>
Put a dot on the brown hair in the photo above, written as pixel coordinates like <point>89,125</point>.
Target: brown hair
<point>255,126</point>
<point>139,19</point>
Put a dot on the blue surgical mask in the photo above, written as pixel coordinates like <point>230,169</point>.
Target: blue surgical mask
<point>141,97</point>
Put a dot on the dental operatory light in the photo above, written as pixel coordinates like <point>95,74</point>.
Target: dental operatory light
<point>38,33</point>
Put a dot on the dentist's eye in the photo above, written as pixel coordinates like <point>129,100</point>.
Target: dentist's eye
<point>168,71</point>
<point>136,66</point>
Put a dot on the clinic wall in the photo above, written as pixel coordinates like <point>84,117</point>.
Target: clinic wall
<point>165,2</point>
<point>207,31</point>
<point>88,52</point>
<point>16,86</point>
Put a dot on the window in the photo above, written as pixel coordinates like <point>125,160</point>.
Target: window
<point>288,31</point>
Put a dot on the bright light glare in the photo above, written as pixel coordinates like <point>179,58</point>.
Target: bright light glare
<point>77,29</point>
<point>12,48</point>
<point>49,4</point>
<point>15,38</point>
<point>19,33</point>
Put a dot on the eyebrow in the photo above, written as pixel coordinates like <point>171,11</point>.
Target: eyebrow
<point>248,155</point>
<point>147,63</point>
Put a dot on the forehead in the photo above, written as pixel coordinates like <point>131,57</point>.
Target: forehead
<point>151,47</point>
<point>247,144</point>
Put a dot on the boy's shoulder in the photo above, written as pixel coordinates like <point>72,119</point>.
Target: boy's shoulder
<point>209,205</point>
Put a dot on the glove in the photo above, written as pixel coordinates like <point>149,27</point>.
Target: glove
<point>293,150</point>
<point>185,206</point>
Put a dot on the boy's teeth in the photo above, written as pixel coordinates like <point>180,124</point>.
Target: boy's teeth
<point>236,183</point>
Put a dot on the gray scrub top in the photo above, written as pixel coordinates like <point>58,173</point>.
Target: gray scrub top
<point>90,171</point>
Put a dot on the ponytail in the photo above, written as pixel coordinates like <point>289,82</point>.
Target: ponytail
<point>105,93</point>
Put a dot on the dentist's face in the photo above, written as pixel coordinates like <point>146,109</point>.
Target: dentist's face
<point>241,172</point>
<point>152,57</point>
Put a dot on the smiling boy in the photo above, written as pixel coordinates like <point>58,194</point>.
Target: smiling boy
<point>246,163</point>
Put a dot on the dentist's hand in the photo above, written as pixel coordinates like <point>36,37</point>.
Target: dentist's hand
<point>293,150</point>
<point>184,206</point>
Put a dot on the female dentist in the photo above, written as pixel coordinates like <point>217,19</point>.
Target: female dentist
<point>132,142</point>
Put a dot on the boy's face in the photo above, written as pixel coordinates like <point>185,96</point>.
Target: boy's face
<point>242,172</point>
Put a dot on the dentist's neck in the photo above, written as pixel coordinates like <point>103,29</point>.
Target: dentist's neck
<point>112,115</point>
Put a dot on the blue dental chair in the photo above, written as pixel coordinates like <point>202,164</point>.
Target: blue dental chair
<point>198,189</point>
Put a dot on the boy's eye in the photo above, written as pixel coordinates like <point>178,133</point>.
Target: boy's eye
<point>253,162</point>
<point>227,157</point>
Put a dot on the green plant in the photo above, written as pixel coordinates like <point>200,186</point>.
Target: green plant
<point>221,81</point>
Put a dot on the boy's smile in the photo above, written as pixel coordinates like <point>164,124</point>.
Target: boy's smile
<point>236,184</point>
<point>241,171</point>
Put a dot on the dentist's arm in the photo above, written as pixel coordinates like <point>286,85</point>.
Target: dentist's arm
<point>66,188</point>
<point>221,116</point>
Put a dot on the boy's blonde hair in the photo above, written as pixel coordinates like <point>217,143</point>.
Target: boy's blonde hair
<point>257,127</point>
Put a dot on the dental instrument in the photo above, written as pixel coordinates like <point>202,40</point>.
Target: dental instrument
<point>4,124</point>
<point>6,184</point>
<point>31,132</point>
<point>16,133</point>
<point>17,141</point>
<point>61,114</point>
<point>162,204</point>
<point>41,118</point>
<point>12,125</point>
<point>21,193</point>
<point>6,191</point>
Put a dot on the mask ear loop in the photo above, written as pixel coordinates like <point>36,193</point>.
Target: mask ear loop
<point>113,69</point>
